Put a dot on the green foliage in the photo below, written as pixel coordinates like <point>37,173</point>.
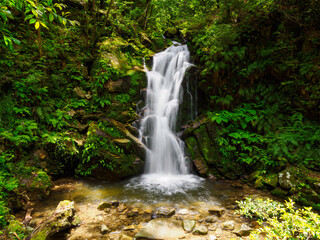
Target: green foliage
<point>5,15</point>
<point>236,139</point>
<point>283,221</point>
<point>7,183</point>
<point>259,208</point>
<point>100,149</point>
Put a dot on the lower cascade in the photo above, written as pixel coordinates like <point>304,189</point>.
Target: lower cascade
<point>166,169</point>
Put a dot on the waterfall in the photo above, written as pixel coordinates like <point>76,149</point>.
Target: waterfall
<point>166,170</point>
<point>164,94</point>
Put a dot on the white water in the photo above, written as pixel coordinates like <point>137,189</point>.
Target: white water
<point>166,169</point>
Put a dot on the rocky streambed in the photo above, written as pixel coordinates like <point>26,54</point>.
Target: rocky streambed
<point>115,211</point>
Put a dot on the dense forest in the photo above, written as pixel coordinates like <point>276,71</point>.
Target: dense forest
<point>72,80</point>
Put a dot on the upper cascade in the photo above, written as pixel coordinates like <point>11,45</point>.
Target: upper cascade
<point>164,94</point>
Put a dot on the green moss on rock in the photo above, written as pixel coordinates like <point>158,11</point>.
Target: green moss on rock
<point>279,192</point>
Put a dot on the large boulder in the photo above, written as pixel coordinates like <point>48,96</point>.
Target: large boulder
<point>201,146</point>
<point>62,218</point>
<point>287,179</point>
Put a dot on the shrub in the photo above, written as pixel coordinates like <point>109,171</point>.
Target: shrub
<point>283,221</point>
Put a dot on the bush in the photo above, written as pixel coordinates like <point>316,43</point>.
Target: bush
<point>283,221</point>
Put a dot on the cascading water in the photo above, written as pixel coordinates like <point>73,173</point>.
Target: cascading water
<point>166,169</point>
<point>159,122</point>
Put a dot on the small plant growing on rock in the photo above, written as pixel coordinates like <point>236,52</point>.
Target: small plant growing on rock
<point>283,221</point>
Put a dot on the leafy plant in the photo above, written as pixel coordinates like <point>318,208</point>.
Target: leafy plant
<point>283,221</point>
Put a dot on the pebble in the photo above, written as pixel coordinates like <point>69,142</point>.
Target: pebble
<point>183,211</point>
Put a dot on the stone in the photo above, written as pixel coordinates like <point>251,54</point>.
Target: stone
<point>115,203</point>
<point>122,207</point>
<point>218,211</point>
<point>80,93</point>
<point>104,229</point>
<point>62,218</point>
<point>129,228</point>
<point>218,232</point>
<point>243,231</point>
<point>211,219</point>
<point>201,166</point>
<point>114,86</point>
<point>278,192</point>
<point>212,237</point>
<point>165,212</point>
<point>188,225</point>
<point>37,185</point>
<point>133,213</point>
<point>161,228</point>
<point>124,237</point>
<point>200,230</point>
<point>286,179</point>
<point>183,211</point>
<point>104,205</point>
<point>271,180</point>
<point>229,225</point>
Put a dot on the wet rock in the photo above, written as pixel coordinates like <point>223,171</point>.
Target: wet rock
<point>200,230</point>
<point>229,225</point>
<point>104,205</point>
<point>62,218</point>
<point>243,231</point>
<point>201,166</point>
<point>237,185</point>
<point>165,212</point>
<point>211,219</point>
<point>115,203</point>
<point>104,229</point>
<point>133,213</point>
<point>122,207</point>
<point>218,211</point>
<point>161,228</point>
<point>129,228</point>
<point>124,237</point>
<point>188,225</point>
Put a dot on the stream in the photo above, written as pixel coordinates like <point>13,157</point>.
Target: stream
<point>190,204</point>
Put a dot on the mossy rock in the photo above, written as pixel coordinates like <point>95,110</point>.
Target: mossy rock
<point>279,192</point>
<point>62,218</point>
<point>258,183</point>
<point>271,180</point>
<point>37,186</point>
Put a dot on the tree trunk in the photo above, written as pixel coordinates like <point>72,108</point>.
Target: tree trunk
<point>102,4</point>
<point>148,14</point>
<point>40,42</point>
<point>95,39</point>
<point>143,17</point>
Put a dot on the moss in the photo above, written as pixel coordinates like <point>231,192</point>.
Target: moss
<point>278,192</point>
<point>18,228</point>
<point>258,183</point>
<point>271,180</point>
<point>192,146</point>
